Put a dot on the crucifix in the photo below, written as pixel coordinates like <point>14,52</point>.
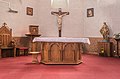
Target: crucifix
<point>59,15</point>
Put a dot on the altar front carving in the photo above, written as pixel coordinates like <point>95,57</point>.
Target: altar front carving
<point>61,50</point>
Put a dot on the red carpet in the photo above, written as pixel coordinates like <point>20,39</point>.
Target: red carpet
<point>93,67</point>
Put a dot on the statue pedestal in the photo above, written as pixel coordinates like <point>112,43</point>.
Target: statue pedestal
<point>118,40</point>
<point>105,49</point>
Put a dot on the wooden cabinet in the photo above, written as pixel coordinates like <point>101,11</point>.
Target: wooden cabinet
<point>105,48</point>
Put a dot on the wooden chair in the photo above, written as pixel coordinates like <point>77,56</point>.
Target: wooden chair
<point>7,46</point>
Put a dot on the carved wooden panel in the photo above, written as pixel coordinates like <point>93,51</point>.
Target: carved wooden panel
<point>54,53</point>
<point>68,54</point>
<point>6,44</point>
<point>5,36</point>
<point>60,53</point>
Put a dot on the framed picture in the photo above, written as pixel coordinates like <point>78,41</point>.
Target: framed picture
<point>29,11</point>
<point>90,12</point>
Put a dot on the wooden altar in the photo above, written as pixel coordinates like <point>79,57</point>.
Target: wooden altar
<point>60,50</point>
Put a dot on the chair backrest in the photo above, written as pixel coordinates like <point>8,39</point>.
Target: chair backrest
<point>5,35</point>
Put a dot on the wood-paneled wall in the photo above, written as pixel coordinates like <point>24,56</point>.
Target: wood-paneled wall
<point>92,48</point>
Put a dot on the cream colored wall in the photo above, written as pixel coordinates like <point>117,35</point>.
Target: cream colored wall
<point>19,22</point>
<point>104,11</point>
<point>74,25</point>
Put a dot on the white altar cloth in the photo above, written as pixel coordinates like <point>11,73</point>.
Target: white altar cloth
<point>61,39</point>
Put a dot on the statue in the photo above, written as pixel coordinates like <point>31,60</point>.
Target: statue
<point>60,15</point>
<point>105,32</point>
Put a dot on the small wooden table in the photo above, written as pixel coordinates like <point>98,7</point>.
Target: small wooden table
<point>35,57</point>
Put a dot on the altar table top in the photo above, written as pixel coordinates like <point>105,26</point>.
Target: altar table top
<point>61,39</point>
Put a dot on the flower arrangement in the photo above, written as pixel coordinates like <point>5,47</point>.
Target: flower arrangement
<point>116,36</point>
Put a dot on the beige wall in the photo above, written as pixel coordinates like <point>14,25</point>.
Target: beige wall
<point>104,11</point>
<point>74,25</point>
<point>19,22</point>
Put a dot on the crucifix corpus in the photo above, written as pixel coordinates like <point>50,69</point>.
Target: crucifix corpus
<point>59,15</point>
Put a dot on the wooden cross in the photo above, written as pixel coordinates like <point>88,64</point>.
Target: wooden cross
<point>4,24</point>
<point>60,15</point>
